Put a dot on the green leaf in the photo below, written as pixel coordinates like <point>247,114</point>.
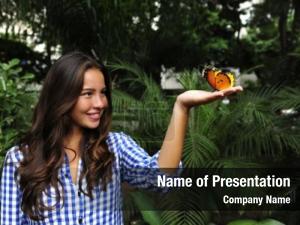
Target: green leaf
<point>3,84</point>
<point>243,222</point>
<point>27,77</point>
<point>143,202</point>
<point>253,222</point>
<point>270,222</point>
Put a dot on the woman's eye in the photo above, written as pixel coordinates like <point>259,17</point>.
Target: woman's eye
<point>87,94</point>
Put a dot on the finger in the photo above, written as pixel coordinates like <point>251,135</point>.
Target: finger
<point>232,90</point>
<point>218,94</point>
<point>238,88</point>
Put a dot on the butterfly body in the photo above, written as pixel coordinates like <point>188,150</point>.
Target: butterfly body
<point>218,79</point>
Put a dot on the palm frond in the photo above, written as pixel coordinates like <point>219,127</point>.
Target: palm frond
<point>248,129</point>
<point>234,162</point>
<point>184,217</point>
<point>190,80</point>
<point>123,101</point>
<point>183,210</point>
<point>150,112</point>
<point>124,107</point>
<point>199,149</point>
<point>287,98</point>
<point>146,206</point>
<point>203,118</point>
<point>139,78</point>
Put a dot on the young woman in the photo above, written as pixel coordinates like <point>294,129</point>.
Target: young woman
<point>69,167</point>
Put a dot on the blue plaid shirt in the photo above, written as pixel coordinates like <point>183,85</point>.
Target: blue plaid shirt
<point>106,206</point>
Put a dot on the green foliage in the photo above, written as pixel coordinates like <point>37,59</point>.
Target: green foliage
<point>200,146</point>
<point>147,116</point>
<point>16,103</point>
<point>188,33</point>
<point>253,222</point>
<point>259,130</point>
<point>185,217</point>
<point>144,116</point>
<point>231,135</point>
<point>182,34</point>
<point>243,222</point>
<point>150,33</point>
<point>272,33</point>
<point>287,99</point>
<point>262,132</point>
<point>151,216</point>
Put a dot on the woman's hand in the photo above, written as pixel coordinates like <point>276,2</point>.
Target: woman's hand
<point>192,98</point>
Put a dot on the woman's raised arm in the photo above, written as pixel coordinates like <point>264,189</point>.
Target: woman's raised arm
<point>171,150</point>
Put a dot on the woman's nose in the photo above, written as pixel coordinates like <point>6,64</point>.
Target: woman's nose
<point>100,101</point>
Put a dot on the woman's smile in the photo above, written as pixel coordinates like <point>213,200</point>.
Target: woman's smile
<point>95,116</point>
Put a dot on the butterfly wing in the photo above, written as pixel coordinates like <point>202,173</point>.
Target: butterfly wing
<point>224,80</point>
<point>210,75</point>
<point>217,79</point>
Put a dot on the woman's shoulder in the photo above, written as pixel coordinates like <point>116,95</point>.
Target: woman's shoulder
<point>115,138</point>
<point>13,155</point>
<point>115,141</point>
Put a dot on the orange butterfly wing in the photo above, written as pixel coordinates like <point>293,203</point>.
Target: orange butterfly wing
<point>223,81</point>
<point>210,76</point>
<point>218,79</point>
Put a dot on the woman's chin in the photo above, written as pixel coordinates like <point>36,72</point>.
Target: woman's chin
<point>92,125</point>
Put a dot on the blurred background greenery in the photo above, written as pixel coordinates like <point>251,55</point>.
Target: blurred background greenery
<point>144,42</point>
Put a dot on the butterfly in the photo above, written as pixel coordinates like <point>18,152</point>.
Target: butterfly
<point>218,79</point>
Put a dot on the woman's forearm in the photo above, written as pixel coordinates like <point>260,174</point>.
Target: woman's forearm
<point>171,150</point>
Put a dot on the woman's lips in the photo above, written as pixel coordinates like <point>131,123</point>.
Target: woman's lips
<point>94,116</point>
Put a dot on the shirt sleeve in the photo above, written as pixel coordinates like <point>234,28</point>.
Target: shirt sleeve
<point>10,194</point>
<point>138,168</point>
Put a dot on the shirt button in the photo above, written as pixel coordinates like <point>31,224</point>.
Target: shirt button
<point>80,220</point>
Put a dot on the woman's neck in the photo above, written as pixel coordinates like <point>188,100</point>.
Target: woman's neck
<point>72,141</point>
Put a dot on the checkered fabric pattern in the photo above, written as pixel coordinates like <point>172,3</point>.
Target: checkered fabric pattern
<point>106,206</point>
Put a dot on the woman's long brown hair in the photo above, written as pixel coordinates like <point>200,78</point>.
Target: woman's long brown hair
<point>42,147</point>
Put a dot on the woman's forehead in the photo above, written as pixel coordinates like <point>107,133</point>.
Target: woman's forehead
<point>93,78</point>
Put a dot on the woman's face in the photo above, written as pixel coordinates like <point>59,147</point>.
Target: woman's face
<point>92,101</point>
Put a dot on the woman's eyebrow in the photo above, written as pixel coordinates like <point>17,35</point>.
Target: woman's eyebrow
<point>88,89</point>
<point>93,89</point>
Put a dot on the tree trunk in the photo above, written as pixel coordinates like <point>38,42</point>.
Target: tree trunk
<point>294,61</point>
<point>296,19</point>
<point>282,26</point>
